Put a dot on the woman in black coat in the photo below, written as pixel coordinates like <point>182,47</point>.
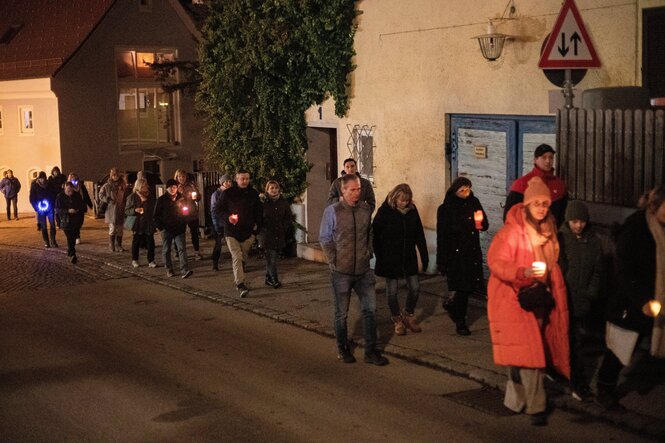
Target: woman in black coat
<point>70,209</point>
<point>277,221</point>
<point>398,231</point>
<point>458,253</point>
<point>640,274</point>
<point>141,205</point>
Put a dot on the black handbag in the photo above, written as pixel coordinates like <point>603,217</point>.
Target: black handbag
<point>536,296</point>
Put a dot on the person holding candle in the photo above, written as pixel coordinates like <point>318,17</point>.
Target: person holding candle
<point>170,219</point>
<point>242,213</point>
<point>633,308</point>
<point>225,182</point>
<point>42,199</point>
<point>277,219</point>
<point>528,341</point>
<point>80,189</point>
<point>70,208</point>
<point>398,231</point>
<point>141,206</point>
<point>191,195</point>
<point>581,262</point>
<point>459,221</point>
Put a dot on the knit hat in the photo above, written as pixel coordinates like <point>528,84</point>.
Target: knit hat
<point>171,182</point>
<point>225,178</point>
<point>536,190</point>
<point>577,210</point>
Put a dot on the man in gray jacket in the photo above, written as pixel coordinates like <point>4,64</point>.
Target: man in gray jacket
<point>346,239</point>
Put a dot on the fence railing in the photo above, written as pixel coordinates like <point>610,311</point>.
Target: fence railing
<point>611,156</point>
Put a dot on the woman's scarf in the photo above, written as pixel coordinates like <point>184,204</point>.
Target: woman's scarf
<point>544,244</point>
<point>658,334</point>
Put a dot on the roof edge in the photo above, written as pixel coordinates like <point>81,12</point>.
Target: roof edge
<point>186,19</point>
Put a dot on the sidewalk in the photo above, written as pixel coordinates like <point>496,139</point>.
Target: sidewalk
<point>304,301</point>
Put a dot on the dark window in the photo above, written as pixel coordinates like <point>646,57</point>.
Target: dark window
<point>653,50</point>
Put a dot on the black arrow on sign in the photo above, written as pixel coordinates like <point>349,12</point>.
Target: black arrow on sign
<point>575,39</point>
<point>563,49</point>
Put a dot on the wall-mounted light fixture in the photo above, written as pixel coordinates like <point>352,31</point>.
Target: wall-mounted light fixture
<point>491,44</point>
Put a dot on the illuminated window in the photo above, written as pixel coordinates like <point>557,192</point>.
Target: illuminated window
<point>147,115</point>
<point>25,120</point>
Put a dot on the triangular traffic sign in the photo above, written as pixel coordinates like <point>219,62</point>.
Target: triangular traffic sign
<point>569,45</point>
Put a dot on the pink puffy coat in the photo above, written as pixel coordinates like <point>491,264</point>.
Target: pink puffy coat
<point>516,338</point>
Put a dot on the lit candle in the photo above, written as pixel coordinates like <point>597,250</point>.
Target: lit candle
<point>185,210</point>
<point>539,268</point>
<point>194,194</point>
<point>234,218</point>
<point>478,218</point>
<point>654,306</point>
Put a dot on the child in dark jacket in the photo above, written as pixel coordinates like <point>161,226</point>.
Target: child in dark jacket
<point>276,221</point>
<point>580,259</point>
<point>70,209</point>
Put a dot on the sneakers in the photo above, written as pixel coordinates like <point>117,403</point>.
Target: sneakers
<point>375,358</point>
<point>398,324</point>
<point>462,329</point>
<point>409,321</point>
<point>215,267</point>
<point>582,394</point>
<point>269,281</point>
<point>135,264</point>
<point>187,274</point>
<point>170,274</point>
<point>78,241</point>
<point>74,260</point>
<point>277,284</point>
<point>54,244</point>
<point>152,264</point>
<point>46,245</point>
<point>197,256</point>
<point>243,291</point>
<point>346,356</point>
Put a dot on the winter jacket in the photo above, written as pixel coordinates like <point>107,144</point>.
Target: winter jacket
<point>396,237</point>
<point>245,203</point>
<point>581,262</point>
<point>144,222</point>
<point>516,337</point>
<point>39,193</point>
<point>635,275</point>
<point>83,192</point>
<point>169,214</point>
<point>10,187</point>
<point>276,222</point>
<point>556,186</point>
<point>346,237</point>
<point>458,253</point>
<point>366,192</point>
<point>63,203</point>
<point>215,213</point>
<point>114,194</point>
<point>57,183</point>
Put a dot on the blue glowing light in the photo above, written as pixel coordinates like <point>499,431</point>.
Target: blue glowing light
<point>43,205</point>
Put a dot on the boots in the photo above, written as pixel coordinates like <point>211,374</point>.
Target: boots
<point>118,239</point>
<point>112,243</point>
<point>461,328</point>
<point>410,322</point>
<point>398,323</point>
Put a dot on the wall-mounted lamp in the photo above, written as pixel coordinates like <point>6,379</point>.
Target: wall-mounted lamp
<point>491,44</point>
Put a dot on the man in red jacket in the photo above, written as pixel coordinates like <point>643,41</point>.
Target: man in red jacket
<point>543,160</point>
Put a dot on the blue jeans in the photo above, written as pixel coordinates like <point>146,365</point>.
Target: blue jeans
<point>413,284</point>
<point>363,285</point>
<point>42,217</point>
<point>271,263</point>
<point>179,239</point>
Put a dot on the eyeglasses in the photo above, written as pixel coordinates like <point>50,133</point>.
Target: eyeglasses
<point>538,204</point>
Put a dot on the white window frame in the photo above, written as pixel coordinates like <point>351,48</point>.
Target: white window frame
<point>23,130</point>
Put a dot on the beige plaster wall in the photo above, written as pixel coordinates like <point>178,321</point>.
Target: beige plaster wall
<point>416,62</point>
<point>23,153</point>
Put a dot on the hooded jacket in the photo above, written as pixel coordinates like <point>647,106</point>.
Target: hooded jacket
<point>516,337</point>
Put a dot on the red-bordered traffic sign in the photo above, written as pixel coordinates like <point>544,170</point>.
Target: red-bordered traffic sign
<point>569,45</point>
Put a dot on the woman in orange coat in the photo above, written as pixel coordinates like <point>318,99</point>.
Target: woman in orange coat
<point>527,341</point>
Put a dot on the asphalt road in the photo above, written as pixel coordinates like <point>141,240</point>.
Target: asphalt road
<point>122,359</point>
